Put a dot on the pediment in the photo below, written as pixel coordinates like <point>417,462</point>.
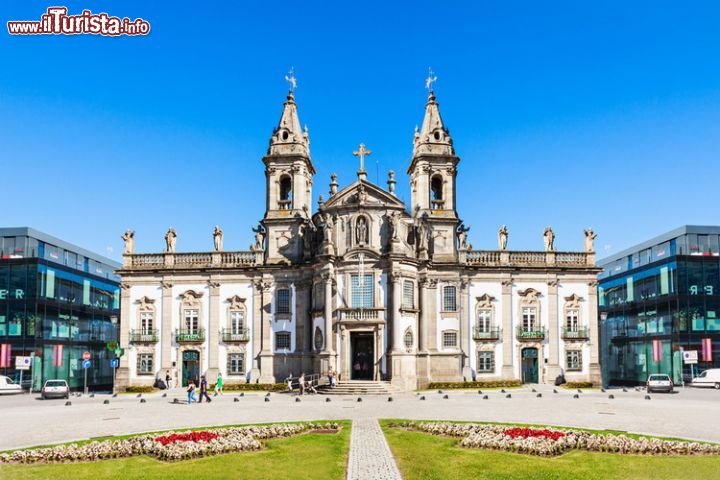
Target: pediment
<point>367,254</point>
<point>364,193</point>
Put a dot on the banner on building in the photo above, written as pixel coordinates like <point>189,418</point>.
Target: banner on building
<point>657,351</point>
<point>707,350</point>
<point>57,355</point>
<point>5,354</point>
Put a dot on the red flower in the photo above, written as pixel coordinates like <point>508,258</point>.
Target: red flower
<point>203,436</point>
<point>525,432</point>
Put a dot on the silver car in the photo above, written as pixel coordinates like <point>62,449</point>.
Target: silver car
<point>659,382</point>
<point>55,389</point>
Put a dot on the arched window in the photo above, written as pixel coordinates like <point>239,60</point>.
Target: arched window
<point>285,201</point>
<point>436,192</point>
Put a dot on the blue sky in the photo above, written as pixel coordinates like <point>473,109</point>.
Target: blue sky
<point>569,114</point>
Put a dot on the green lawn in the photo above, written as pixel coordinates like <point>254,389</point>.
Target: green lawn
<point>424,456</point>
<point>305,456</point>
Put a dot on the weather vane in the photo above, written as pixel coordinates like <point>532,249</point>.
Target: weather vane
<point>432,78</point>
<point>290,78</point>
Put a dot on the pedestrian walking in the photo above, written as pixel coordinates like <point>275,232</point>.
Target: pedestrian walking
<point>191,392</point>
<point>203,390</point>
<point>288,380</point>
<point>219,385</point>
<point>167,379</point>
<point>331,377</point>
<point>301,382</point>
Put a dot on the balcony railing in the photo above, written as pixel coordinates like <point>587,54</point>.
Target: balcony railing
<point>190,336</point>
<point>437,204</point>
<point>285,204</point>
<point>191,260</point>
<point>533,333</point>
<point>361,314</point>
<point>237,335</point>
<point>486,334</point>
<point>144,336</point>
<point>577,333</point>
<point>492,258</point>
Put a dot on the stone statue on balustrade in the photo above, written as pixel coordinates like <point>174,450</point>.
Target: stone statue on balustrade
<point>218,238</point>
<point>502,238</point>
<point>129,239</point>
<point>259,238</point>
<point>549,238</point>
<point>590,240</point>
<point>170,239</point>
<point>462,237</point>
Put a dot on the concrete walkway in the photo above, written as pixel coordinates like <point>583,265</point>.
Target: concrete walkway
<point>370,457</point>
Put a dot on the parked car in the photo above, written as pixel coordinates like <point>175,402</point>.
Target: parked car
<point>55,389</point>
<point>7,386</point>
<point>659,382</point>
<point>708,378</point>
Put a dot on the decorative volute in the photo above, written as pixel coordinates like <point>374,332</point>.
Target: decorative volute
<point>433,138</point>
<point>288,138</point>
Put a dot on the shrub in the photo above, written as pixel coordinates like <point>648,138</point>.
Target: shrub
<point>478,384</point>
<point>253,387</point>
<point>139,389</point>
<point>578,385</point>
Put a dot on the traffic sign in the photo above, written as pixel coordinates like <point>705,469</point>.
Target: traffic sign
<point>112,346</point>
<point>119,352</point>
<point>86,356</point>
<point>690,357</point>
<point>86,364</point>
<point>114,363</point>
<point>22,363</point>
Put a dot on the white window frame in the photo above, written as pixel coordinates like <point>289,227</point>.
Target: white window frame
<point>484,366</point>
<point>230,370</point>
<point>146,322</point>
<point>529,319</point>
<point>191,321</point>
<point>573,360</point>
<point>484,320</point>
<point>149,367</point>
<point>449,302</point>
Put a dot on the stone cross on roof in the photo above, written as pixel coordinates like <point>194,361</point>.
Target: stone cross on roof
<point>361,152</point>
<point>431,78</point>
<point>290,78</point>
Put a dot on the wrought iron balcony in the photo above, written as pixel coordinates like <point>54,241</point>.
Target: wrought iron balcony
<point>532,333</point>
<point>229,335</point>
<point>486,334</point>
<point>577,333</point>
<point>144,336</point>
<point>190,336</point>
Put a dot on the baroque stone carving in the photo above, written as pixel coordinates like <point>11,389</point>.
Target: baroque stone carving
<point>462,236</point>
<point>590,240</point>
<point>573,301</point>
<point>502,237</point>
<point>259,238</point>
<point>361,230</point>
<point>485,300</point>
<point>129,239</point>
<point>549,239</point>
<point>218,238</point>
<point>170,239</point>
<point>236,302</point>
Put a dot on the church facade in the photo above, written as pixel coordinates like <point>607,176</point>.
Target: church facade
<point>363,283</point>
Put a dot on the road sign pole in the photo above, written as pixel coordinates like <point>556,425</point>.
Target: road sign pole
<point>114,376</point>
<point>86,387</point>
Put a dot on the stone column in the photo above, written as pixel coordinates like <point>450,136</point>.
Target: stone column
<point>122,379</point>
<point>267,374</point>
<point>422,315</point>
<point>167,333</point>
<point>432,315</point>
<point>553,368</point>
<point>213,332</point>
<point>327,345</point>
<point>595,375</point>
<point>302,315</point>
<point>396,345</point>
<point>508,331</point>
<point>464,330</point>
<point>256,330</point>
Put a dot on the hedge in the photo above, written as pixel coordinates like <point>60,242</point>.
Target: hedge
<point>479,384</point>
<point>139,389</point>
<point>578,385</point>
<point>263,387</point>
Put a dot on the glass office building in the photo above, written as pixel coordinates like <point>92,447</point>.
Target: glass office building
<point>658,299</point>
<point>57,301</point>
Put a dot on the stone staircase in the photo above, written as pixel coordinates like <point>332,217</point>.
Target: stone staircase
<point>359,387</point>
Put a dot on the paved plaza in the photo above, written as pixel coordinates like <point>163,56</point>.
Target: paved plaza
<point>370,456</point>
<point>690,413</point>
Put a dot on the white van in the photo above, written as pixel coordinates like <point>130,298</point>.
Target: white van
<point>708,378</point>
<point>7,386</point>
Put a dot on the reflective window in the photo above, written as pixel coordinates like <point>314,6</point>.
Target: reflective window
<point>362,291</point>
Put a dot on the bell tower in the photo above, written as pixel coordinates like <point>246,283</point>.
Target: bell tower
<point>433,173</point>
<point>288,189</point>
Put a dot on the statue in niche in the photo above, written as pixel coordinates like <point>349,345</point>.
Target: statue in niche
<point>306,231</point>
<point>502,237</point>
<point>170,239</point>
<point>394,223</point>
<point>259,238</point>
<point>129,239</point>
<point>362,194</point>
<point>423,233</point>
<point>361,230</point>
<point>590,240</point>
<point>327,228</point>
<point>218,238</point>
<point>549,238</point>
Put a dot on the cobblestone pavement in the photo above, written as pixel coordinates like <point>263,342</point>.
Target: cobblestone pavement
<point>370,456</point>
<point>690,413</point>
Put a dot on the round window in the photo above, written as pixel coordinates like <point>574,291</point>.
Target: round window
<point>318,338</point>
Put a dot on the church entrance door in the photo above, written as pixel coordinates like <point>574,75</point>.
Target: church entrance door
<point>190,367</point>
<point>362,355</point>
<point>530,365</point>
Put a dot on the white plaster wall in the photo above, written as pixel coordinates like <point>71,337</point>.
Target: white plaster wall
<point>243,290</point>
<point>580,289</point>
<point>203,321</point>
<point>284,325</point>
<point>541,287</point>
<point>136,293</point>
<point>476,289</point>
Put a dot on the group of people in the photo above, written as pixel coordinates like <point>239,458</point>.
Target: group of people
<point>305,386</point>
<point>203,389</point>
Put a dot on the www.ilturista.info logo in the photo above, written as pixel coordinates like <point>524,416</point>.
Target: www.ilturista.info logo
<point>57,22</point>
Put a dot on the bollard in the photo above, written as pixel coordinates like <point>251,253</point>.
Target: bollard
<point>439,391</point>
<point>611,396</point>
<point>267,399</point>
<point>139,395</point>
<point>92,395</point>
<point>445,397</point>
<point>359,399</point>
<point>242,394</point>
<point>422,398</point>
<point>68,403</point>
<point>508,396</point>
<point>576,396</point>
<point>539,395</point>
<point>327,400</point>
<point>533,390</point>
<point>479,392</point>
<point>602,390</point>
<point>106,402</point>
<point>579,391</point>
<point>390,399</point>
<point>485,397</point>
<point>647,397</point>
<point>236,400</point>
<point>175,400</point>
<point>164,395</point>
<point>554,391</point>
<point>502,390</point>
<point>297,399</point>
<point>142,400</point>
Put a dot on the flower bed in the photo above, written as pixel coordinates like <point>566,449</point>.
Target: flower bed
<point>551,442</point>
<point>171,446</point>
